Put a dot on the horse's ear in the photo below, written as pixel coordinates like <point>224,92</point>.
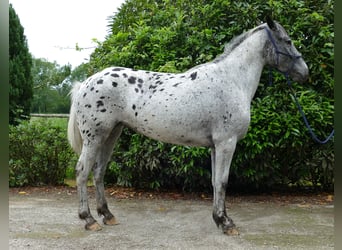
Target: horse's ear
<point>270,23</point>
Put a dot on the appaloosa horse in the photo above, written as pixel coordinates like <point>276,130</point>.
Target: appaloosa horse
<point>208,105</point>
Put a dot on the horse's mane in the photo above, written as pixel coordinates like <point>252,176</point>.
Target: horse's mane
<point>230,46</point>
<point>235,42</point>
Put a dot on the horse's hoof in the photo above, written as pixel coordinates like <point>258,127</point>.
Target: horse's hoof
<point>93,227</point>
<point>111,221</point>
<point>232,231</point>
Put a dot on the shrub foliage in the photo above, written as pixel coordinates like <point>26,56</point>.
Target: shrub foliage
<point>177,35</point>
<point>174,36</point>
<point>39,154</point>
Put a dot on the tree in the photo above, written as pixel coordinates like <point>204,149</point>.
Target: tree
<point>20,78</point>
<point>52,84</point>
<point>51,87</point>
<point>174,36</point>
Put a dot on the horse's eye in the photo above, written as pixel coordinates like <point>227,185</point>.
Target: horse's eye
<point>288,41</point>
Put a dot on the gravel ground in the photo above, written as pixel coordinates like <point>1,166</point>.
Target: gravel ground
<point>49,220</point>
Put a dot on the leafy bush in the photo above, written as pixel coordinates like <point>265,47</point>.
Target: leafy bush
<point>39,154</point>
<point>141,162</point>
<point>278,149</point>
<point>177,35</point>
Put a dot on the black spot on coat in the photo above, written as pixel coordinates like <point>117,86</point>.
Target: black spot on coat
<point>132,79</point>
<point>193,75</point>
<point>115,75</point>
<point>99,103</point>
<point>114,84</point>
<point>117,69</point>
<point>100,81</point>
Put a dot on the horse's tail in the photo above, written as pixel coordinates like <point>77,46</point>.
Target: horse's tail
<point>74,135</point>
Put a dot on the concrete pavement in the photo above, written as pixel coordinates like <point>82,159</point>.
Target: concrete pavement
<point>51,222</point>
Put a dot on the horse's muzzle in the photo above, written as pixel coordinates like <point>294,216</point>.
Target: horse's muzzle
<point>301,74</point>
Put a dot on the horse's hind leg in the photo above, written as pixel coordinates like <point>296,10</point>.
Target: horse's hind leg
<point>99,172</point>
<point>83,167</point>
<point>222,156</point>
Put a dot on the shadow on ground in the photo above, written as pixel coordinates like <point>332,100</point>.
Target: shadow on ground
<point>39,220</point>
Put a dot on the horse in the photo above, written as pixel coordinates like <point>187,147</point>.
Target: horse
<point>208,105</point>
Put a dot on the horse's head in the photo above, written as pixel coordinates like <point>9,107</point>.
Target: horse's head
<point>282,54</point>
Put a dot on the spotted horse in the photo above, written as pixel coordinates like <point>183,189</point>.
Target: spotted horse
<point>208,105</point>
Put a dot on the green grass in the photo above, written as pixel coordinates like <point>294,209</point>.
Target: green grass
<point>72,182</point>
<point>60,122</point>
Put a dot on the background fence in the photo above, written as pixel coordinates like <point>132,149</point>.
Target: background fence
<point>51,115</point>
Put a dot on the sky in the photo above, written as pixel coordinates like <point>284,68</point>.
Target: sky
<point>52,28</point>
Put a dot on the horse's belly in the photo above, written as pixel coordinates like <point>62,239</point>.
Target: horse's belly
<point>185,140</point>
<point>174,132</point>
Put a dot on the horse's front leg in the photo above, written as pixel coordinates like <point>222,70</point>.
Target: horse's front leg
<point>221,160</point>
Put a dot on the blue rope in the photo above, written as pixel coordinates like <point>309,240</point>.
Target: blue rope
<point>270,77</point>
<point>313,135</point>
<point>294,57</point>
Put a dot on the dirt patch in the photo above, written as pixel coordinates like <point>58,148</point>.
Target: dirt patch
<point>297,197</point>
<point>46,218</point>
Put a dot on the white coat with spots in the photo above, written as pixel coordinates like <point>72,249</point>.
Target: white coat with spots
<point>208,105</point>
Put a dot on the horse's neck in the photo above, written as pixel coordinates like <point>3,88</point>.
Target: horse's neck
<point>246,62</point>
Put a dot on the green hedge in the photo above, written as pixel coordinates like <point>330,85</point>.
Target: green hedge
<point>141,162</point>
<point>39,154</point>
<point>176,35</point>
